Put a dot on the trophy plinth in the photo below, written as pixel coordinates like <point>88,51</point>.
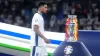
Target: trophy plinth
<point>79,49</point>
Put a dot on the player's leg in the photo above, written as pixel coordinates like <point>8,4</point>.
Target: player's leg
<point>36,51</point>
<point>39,51</point>
<point>44,51</point>
<point>33,50</point>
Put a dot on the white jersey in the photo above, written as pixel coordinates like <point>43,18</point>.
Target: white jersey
<point>35,39</point>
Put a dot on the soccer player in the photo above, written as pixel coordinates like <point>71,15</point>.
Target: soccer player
<point>38,40</point>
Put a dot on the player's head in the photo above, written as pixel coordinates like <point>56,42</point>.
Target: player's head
<point>42,7</point>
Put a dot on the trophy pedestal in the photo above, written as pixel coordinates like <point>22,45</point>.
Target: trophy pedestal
<point>79,49</point>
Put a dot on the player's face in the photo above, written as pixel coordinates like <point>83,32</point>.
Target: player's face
<point>45,8</point>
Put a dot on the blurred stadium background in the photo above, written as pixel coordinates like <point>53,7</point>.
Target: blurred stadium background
<point>20,13</point>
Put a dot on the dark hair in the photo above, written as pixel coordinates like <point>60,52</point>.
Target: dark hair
<point>41,4</point>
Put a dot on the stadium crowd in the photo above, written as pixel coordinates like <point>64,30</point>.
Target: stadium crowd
<point>20,13</point>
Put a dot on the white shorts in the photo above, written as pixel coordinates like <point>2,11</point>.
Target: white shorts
<point>38,51</point>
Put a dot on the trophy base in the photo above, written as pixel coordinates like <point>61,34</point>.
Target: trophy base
<point>79,49</point>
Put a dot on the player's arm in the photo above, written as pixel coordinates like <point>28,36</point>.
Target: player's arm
<point>36,29</point>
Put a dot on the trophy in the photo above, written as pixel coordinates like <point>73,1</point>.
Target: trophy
<point>71,29</point>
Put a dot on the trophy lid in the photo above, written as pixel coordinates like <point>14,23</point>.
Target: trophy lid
<point>72,16</point>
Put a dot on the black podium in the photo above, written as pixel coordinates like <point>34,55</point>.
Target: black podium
<point>79,49</point>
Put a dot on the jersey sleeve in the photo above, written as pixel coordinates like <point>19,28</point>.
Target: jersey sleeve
<point>35,21</point>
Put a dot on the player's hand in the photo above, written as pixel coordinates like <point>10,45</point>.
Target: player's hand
<point>46,40</point>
